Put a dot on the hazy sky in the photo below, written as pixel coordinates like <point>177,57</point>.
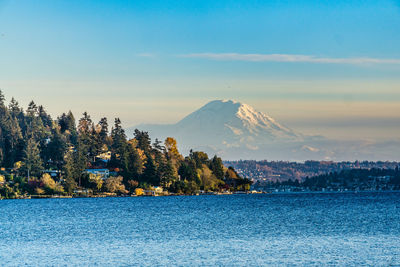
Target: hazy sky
<point>321,67</point>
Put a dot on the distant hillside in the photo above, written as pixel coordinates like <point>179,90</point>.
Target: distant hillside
<point>270,171</point>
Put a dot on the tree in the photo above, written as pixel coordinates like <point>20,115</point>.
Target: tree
<point>143,139</point>
<point>46,119</point>
<point>199,158</point>
<point>231,174</point>
<point>133,164</point>
<point>171,146</point>
<point>32,162</point>
<point>115,185</point>
<point>32,110</point>
<point>150,172</point>
<point>187,170</point>
<point>50,185</point>
<point>217,167</point>
<point>118,138</point>
<point>132,185</point>
<point>96,182</point>
<point>85,124</point>
<point>168,174</point>
<point>56,148</point>
<point>14,108</point>
<point>2,98</point>
<point>103,131</point>
<point>208,179</point>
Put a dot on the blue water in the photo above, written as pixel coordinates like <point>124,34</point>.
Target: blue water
<point>235,230</point>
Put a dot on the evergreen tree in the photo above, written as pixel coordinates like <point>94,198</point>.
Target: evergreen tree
<point>217,167</point>
<point>32,162</point>
<point>133,164</point>
<point>56,148</point>
<point>2,98</point>
<point>118,137</point>
<point>143,139</point>
<point>103,131</point>
<point>68,127</point>
<point>150,172</point>
<point>14,108</point>
<point>46,118</point>
<point>32,110</point>
<point>71,173</point>
<point>168,174</point>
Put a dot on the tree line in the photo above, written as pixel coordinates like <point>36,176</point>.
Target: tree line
<point>353,180</point>
<point>32,144</point>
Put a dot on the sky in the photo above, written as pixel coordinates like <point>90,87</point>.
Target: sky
<point>319,67</point>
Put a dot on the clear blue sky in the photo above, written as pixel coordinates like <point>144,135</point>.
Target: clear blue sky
<point>337,71</point>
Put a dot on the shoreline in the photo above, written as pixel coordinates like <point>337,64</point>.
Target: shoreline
<point>204,194</point>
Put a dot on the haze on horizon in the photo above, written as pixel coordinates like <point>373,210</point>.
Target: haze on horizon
<point>320,67</point>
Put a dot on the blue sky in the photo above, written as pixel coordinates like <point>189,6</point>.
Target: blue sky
<point>330,67</point>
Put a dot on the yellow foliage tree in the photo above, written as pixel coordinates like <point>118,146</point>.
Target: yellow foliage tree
<point>114,185</point>
<point>50,184</point>
<point>172,148</point>
<point>96,180</point>
<point>47,181</point>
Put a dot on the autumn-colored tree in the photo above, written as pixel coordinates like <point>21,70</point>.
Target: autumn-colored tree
<point>115,185</point>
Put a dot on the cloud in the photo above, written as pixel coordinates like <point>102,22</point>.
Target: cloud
<point>290,58</point>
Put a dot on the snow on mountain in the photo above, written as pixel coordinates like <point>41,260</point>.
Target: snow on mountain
<point>235,131</point>
<point>221,125</point>
<point>235,122</point>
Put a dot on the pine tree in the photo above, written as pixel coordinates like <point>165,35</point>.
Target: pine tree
<point>217,167</point>
<point>143,139</point>
<point>14,108</point>
<point>32,162</point>
<point>103,131</point>
<point>150,172</point>
<point>32,110</point>
<point>118,137</point>
<point>2,98</point>
<point>168,174</point>
<point>56,148</point>
<point>71,173</point>
<point>46,118</point>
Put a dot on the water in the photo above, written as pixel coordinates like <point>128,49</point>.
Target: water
<point>277,229</point>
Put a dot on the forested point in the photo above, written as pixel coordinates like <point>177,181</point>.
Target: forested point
<point>40,156</point>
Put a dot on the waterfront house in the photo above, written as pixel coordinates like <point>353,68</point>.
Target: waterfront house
<point>139,192</point>
<point>103,173</point>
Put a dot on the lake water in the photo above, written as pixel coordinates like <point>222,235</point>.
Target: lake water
<point>234,230</point>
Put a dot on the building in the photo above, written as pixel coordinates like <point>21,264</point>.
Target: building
<point>103,173</point>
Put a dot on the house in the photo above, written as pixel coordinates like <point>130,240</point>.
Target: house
<point>98,164</point>
<point>139,191</point>
<point>53,173</point>
<point>154,191</point>
<point>104,156</point>
<point>103,173</point>
<point>158,190</point>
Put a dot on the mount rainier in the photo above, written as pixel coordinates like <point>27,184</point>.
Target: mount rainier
<point>235,131</point>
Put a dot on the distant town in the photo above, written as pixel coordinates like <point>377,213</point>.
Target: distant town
<point>319,175</point>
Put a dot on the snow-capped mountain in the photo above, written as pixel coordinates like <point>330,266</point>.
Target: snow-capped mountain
<point>235,131</point>
<point>235,122</point>
<point>222,127</point>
